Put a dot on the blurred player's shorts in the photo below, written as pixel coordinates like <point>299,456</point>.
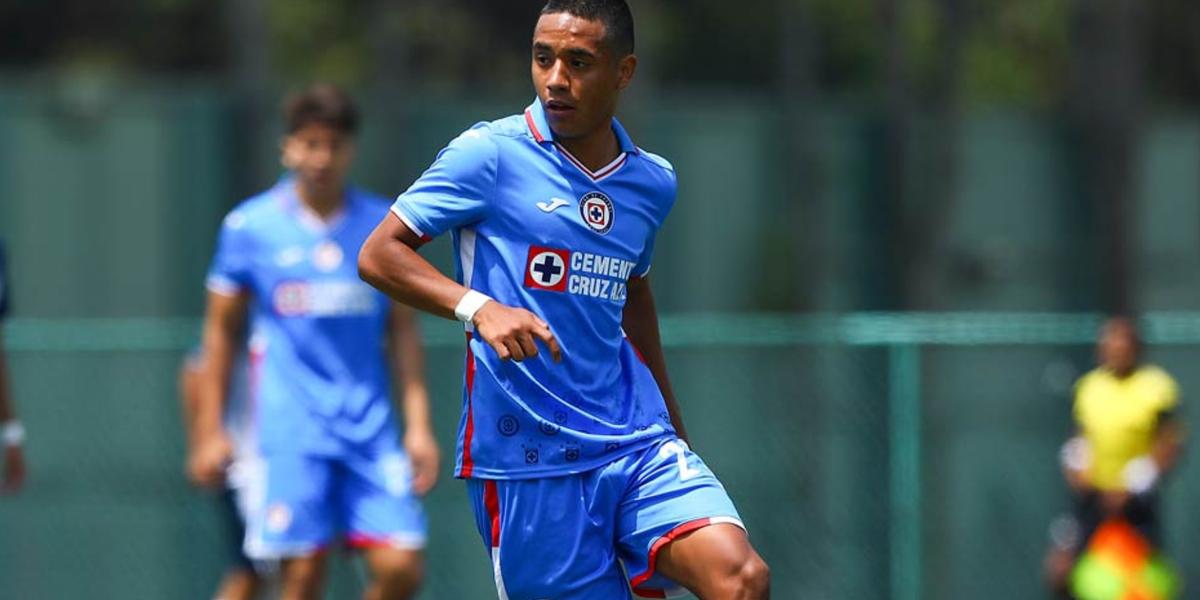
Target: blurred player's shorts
<point>300,504</point>
<point>246,493</point>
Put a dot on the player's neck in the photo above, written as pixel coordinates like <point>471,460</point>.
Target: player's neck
<point>595,150</point>
<point>1124,373</point>
<point>325,203</point>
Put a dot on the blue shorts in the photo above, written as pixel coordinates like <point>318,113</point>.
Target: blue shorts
<point>595,535</point>
<point>305,503</point>
<point>235,529</point>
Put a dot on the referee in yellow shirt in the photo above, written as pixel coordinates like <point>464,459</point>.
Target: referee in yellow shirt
<point>1127,438</point>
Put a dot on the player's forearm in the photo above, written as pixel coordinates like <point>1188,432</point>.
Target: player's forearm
<point>222,332</point>
<point>7,412</point>
<point>408,358</point>
<point>389,262</point>
<point>189,398</point>
<point>214,385</point>
<point>1168,444</point>
<point>640,322</point>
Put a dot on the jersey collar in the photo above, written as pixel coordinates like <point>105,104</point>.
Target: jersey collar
<point>539,128</point>
<point>286,192</point>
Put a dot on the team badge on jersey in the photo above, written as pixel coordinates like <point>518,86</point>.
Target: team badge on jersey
<point>327,256</point>
<point>279,518</point>
<point>597,212</point>
<point>546,269</point>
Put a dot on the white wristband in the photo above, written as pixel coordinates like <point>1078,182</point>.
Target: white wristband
<point>470,304</point>
<point>1076,454</point>
<point>1140,475</point>
<point>12,434</point>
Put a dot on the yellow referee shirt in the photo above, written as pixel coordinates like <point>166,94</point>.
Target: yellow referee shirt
<point>1119,417</point>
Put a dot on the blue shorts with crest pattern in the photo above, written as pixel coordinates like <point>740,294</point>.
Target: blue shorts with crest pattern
<point>595,535</point>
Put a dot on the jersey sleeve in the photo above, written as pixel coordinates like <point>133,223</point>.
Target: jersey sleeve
<point>230,272</point>
<point>456,190</point>
<point>1169,398</point>
<point>668,191</point>
<point>642,268</point>
<point>1077,398</point>
<point>4,291</point>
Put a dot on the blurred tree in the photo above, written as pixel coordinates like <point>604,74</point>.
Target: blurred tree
<point>1016,52</point>
<point>320,40</point>
<point>155,35</point>
<point>1108,43</point>
<point>1012,51</point>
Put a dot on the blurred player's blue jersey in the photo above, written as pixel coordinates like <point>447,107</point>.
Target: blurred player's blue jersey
<point>532,227</point>
<point>318,377</point>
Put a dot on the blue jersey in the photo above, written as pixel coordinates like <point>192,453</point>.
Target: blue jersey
<point>318,376</point>
<point>534,228</point>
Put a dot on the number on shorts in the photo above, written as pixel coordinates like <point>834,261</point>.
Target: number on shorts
<point>679,449</point>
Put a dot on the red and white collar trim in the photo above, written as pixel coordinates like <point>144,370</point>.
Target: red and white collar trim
<point>604,172</point>
<point>533,128</point>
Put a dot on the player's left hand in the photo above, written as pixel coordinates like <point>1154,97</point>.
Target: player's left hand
<point>423,454</point>
<point>14,470</point>
<point>208,460</point>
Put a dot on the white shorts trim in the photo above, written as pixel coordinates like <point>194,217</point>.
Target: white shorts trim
<point>498,576</point>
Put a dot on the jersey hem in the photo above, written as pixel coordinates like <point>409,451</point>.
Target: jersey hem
<point>478,472</point>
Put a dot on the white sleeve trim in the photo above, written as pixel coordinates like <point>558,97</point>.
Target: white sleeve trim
<point>222,285</point>
<point>407,221</point>
<point>729,520</point>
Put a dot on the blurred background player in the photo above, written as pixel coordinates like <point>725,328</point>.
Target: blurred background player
<point>320,347</point>
<point>1128,436</point>
<point>12,433</point>
<point>576,458</point>
<point>241,581</point>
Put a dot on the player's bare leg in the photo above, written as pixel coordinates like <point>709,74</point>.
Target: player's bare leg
<point>395,574</point>
<point>302,578</point>
<point>238,584</point>
<point>1057,566</point>
<point>716,563</point>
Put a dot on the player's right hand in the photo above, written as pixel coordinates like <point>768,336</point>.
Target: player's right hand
<point>208,459</point>
<point>511,331</point>
<point>13,470</point>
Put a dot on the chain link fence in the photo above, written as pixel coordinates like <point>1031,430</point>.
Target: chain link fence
<point>873,456</point>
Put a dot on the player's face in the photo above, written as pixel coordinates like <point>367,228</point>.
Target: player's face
<point>319,155</point>
<point>1118,347</point>
<point>576,74</point>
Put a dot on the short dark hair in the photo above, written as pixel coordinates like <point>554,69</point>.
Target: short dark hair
<point>615,14</point>
<point>321,103</point>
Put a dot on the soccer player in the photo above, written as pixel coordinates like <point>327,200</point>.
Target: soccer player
<point>12,434</point>
<point>1128,438</point>
<point>320,346</point>
<point>241,580</point>
<point>574,452</point>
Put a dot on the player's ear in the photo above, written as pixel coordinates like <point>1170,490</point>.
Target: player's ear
<point>626,67</point>
<point>284,156</point>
